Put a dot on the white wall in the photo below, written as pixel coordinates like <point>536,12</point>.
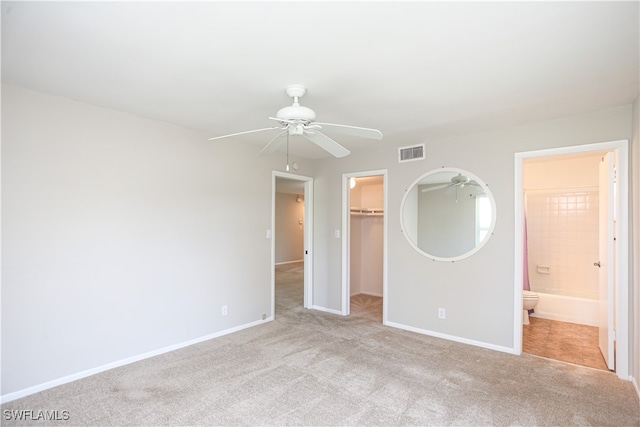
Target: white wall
<point>562,224</point>
<point>563,172</point>
<point>478,292</point>
<point>122,236</point>
<point>447,225</point>
<point>289,232</point>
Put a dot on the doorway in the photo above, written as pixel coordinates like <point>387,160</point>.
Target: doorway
<point>565,208</point>
<point>364,224</point>
<point>291,231</point>
<point>614,303</point>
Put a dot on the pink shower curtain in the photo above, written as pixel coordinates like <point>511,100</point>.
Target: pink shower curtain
<point>525,263</point>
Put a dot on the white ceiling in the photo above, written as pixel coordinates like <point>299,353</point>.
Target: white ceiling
<point>414,70</point>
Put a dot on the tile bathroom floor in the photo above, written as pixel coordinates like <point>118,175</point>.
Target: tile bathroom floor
<point>567,342</point>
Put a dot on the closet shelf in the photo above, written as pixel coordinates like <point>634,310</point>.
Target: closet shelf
<point>367,211</point>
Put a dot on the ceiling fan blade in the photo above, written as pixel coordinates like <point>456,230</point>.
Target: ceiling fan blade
<point>280,120</point>
<point>326,143</point>
<point>244,133</point>
<point>435,187</point>
<point>272,145</point>
<point>352,130</point>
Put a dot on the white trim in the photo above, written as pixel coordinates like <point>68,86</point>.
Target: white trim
<point>518,264</point>
<point>308,243</point>
<point>93,371</point>
<point>452,337</point>
<point>622,318</point>
<point>346,253</point>
<point>346,235</point>
<point>308,236</point>
<point>371,294</point>
<point>327,310</point>
<point>289,262</point>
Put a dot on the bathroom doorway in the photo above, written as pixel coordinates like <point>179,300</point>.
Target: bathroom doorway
<point>557,191</point>
<point>562,225</point>
<point>364,224</point>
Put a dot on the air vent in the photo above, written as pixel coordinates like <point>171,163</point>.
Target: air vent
<point>409,154</point>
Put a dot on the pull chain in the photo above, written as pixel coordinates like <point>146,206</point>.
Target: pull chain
<point>287,151</point>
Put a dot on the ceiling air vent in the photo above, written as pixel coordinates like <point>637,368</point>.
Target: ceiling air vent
<point>409,154</point>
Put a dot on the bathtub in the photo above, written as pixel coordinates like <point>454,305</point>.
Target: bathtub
<point>567,309</point>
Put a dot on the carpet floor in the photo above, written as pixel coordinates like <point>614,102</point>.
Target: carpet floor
<point>312,368</point>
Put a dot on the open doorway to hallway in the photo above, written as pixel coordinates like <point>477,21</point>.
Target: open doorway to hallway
<point>292,221</point>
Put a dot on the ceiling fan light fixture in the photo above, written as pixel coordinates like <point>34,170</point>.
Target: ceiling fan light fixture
<point>296,129</point>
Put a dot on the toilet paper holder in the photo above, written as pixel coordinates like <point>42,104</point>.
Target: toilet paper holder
<point>544,269</point>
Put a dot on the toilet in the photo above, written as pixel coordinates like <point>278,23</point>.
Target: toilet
<point>529,301</point>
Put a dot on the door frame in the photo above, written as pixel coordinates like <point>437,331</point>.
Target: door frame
<point>622,289</point>
<point>308,236</point>
<point>346,239</point>
<point>606,257</point>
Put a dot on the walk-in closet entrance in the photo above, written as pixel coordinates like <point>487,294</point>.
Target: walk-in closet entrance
<point>364,254</point>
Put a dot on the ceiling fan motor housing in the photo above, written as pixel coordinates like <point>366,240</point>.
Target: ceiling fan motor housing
<point>296,112</point>
<point>459,180</point>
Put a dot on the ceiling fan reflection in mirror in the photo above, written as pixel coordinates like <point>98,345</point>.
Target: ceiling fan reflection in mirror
<point>459,181</point>
<point>297,120</point>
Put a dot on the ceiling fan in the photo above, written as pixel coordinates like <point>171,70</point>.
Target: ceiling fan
<point>296,120</point>
<point>458,181</point>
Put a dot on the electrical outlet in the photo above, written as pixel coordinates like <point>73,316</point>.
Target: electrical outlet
<point>442,313</point>
<point>224,310</point>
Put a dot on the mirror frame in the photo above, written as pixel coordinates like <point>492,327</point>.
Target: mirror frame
<point>479,246</point>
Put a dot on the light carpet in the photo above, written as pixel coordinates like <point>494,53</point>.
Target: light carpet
<point>313,368</point>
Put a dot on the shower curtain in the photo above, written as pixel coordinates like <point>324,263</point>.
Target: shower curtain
<point>525,262</point>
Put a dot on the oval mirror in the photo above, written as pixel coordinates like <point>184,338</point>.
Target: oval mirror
<point>448,214</point>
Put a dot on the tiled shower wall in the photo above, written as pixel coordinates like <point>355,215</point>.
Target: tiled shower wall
<point>562,234</point>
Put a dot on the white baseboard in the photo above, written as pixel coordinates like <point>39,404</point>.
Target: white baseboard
<point>635,385</point>
<point>326,310</point>
<point>452,338</point>
<point>373,294</point>
<point>87,373</point>
<point>289,262</point>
